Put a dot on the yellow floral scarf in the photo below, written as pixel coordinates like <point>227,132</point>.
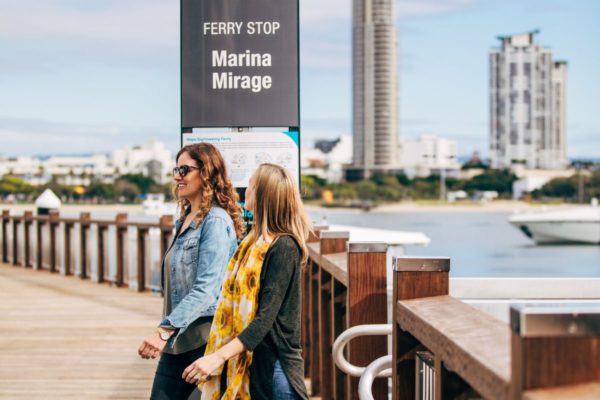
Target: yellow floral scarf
<point>236,308</point>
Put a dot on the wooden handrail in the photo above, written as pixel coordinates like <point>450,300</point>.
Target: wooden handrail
<point>46,228</point>
<point>542,347</point>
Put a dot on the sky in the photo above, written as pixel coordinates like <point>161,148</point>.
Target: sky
<point>80,77</point>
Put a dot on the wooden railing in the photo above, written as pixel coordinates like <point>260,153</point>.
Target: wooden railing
<point>344,285</point>
<point>20,243</point>
<point>543,354</point>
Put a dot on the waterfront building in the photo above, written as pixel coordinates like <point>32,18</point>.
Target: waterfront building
<point>429,154</point>
<point>527,105</point>
<point>375,88</point>
<point>151,159</point>
<point>327,159</point>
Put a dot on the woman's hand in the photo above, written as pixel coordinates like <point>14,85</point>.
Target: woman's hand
<point>152,346</point>
<point>200,370</point>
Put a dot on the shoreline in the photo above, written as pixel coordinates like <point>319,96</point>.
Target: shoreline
<point>496,206</point>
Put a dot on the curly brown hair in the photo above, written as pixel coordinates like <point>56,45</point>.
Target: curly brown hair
<point>216,186</point>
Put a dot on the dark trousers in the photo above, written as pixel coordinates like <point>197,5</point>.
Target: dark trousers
<point>168,383</point>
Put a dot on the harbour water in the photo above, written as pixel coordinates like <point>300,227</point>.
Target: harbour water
<point>479,243</point>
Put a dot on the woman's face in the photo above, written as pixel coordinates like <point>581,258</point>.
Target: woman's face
<point>188,186</point>
<point>250,201</point>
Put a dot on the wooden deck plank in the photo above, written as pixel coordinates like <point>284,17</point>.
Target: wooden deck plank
<point>64,338</point>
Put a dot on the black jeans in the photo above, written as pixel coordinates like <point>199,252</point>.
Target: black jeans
<point>168,383</point>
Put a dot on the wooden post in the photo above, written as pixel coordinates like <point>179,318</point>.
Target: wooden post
<point>306,304</point>
<point>15,242</point>
<point>556,348</point>
<point>367,304</point>
<point>27,221</point>
<point>414,277</point>
<point>121,230</point>
<point>84,226</point>
<point>67,247</point>
<point>102,227</point>
<point>5,220</point>
<point>141,258</point>
<point>166,230</point>
<point>331,242</point>
<point>39,242</point>
<point>313,331</point>
<point>53,221</point>
<point>339,316</point>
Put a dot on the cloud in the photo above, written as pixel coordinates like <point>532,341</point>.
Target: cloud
<point>150,23</point>
<point>24,136</point>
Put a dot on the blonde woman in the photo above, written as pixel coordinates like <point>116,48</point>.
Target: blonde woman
<point>194,266</point>
<point>254,344</point>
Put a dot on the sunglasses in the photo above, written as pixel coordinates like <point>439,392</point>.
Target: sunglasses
<point>183,170</point>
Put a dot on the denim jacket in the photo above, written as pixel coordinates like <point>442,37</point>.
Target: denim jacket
<point>198,262</point>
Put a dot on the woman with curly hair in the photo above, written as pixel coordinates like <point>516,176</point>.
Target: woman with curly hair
<point>209,223</point>
<point>256,329</point>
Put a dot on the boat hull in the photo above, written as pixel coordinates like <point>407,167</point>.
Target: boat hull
<point>561,232</point>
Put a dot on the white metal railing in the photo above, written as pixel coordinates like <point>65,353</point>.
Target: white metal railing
<point>380,368</point>
<point>345,337</point>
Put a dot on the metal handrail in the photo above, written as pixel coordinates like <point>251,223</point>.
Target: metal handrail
<point>380,368</point>
<point>351,333</point>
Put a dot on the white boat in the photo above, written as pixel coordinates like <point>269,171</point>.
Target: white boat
<point>154,204</point>
<point>578,225</point>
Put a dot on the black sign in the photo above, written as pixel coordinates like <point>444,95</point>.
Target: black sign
<point>239,63</point>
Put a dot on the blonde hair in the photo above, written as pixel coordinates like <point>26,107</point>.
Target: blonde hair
<point>278,208</point>
<point>216,187</point>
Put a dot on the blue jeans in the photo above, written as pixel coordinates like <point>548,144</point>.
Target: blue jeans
<point>282,390</point>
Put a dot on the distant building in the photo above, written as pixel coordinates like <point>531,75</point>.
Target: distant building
<point>532,179</point>
<point>151,159</point>
<point>429,154</point>
<point>527,105</point>
<point>375,88</point>
<point>328,165</point>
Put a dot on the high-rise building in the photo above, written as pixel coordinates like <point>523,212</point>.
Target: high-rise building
<point>375,88</point>
<point>527,105</point>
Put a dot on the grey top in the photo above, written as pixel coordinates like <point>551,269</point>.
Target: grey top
<point>274,334</point>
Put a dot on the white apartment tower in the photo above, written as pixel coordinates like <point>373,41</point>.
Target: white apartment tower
<point>375,87</point>
<point>527,105</point>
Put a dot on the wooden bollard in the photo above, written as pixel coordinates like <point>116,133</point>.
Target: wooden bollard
<point>331,242</point>
<point>367,304</point>
<point>53,221</point>
<point>5,221</point>
<point>554,345</point>
<point>84,227</point>
<point>141,258</point>
<point>27,221</point>
<point>414,277</point>
<point>121,230</point>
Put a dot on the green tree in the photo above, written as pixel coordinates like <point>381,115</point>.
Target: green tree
<point>499,180</point>
<point>10,184</point>
<point>127,190</point>
<point>143,183</point>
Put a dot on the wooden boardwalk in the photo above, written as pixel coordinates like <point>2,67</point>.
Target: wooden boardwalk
<point>64,338</point>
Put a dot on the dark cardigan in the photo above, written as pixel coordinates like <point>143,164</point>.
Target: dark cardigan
<point>274,334</point>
